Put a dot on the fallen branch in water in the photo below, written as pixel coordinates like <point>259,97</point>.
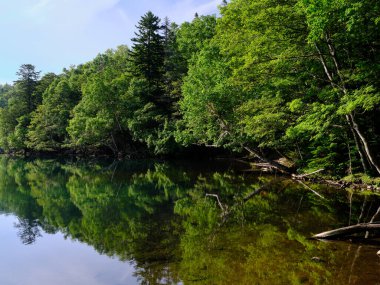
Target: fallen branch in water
<point>340,183</point>
<point>256,192</point>
<point>346,231</point>
<point>217,198</point>
<point>312,190</point>
<point>306,174</point>
<point>313,177</point>
<point>350,185</point>
<point>226,211</point>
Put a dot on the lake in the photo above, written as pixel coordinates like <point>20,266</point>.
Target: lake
<point>155,222</point>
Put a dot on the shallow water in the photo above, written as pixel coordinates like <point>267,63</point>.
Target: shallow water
<point>150,222</point>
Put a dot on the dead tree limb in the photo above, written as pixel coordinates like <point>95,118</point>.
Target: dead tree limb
<point>373,220</point>
<point>256,192</point>
<point>307,174</point>
<point>312,190</point>
<point>346,231</point>
<point>217,198</point>
<point>273,164</point>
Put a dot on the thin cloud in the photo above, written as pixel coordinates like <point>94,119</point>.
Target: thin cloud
<point>69,13</point>
<point>208,8</point>
<point>40,5</point>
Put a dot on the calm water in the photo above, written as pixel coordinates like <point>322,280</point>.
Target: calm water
<point>147,222</point>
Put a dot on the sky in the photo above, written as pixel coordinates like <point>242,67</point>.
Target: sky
<point>53,34</point>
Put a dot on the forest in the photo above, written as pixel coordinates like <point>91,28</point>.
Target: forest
<point>293,84</point>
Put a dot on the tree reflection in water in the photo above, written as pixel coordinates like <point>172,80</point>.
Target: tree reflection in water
<point>158,216</point>
<point>28,230</point>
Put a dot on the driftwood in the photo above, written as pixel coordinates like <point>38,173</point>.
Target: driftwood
<point>346,231</point>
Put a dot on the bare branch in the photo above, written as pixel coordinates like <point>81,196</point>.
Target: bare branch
<point>307,174</point>
<point>312,190</point>
<point>217,198</point>
<point>345,231</point>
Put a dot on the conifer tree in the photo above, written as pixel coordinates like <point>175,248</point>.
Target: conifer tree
<point>148,54</point>
<point>27,83</point>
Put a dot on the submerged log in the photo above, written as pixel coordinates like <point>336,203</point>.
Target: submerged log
<point>346,231</point>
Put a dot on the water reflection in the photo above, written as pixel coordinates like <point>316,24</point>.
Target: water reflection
<point>28,230</point>
<point>157,216</point>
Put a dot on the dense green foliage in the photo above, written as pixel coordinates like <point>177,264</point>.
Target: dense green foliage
<point>297,79</point>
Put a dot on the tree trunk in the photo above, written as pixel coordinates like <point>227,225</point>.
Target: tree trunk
<point>363,159</point>
<point>365,144</point>
<point>350,118</point>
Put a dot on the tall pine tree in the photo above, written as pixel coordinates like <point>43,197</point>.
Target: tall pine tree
<point>27,82</point>
<point>148,55</point>
<point>152,67</point>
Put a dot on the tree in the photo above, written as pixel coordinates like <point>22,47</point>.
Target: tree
<point>148,54</point>
<point>14,116</point>
<point>47,129</point>
<point>208,101</point>
<point>100,118</point>
<point>240,82</point>
<point>348,61</point>
<point>27,83</point>
<point>277,58</point>
<point>42,85</point>
<point>21,101</point>
<point>192,37</point>
<point>4,93</point>
<point>175,67</point>
<point>154,60</point>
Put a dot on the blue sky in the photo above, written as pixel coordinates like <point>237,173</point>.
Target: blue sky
<point>53,34</point>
